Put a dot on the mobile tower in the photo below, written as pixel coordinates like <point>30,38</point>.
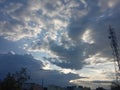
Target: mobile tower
<point>116,54</point>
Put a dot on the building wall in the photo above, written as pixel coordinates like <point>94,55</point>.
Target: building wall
<point>74,88</point>
<point>52,87</point>
<point>36,87</point>
<point>32,86</point>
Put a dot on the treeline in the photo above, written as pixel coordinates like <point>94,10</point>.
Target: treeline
<point>14,81</point>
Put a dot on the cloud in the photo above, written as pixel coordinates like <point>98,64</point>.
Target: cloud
<point>71,56</point>
<point>86,37</point>
<point>108,4</point>
<point>57,17</point>
<point>10,62</point>
<point>13,26</point>
<point>79,39</point>
<point>95,84</point>
<point>26,19</point>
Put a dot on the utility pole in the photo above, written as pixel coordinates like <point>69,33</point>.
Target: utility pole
<point>116,54</point>
<point>42,83</point>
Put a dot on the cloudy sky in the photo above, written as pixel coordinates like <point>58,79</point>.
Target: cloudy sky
<point>58,39</point>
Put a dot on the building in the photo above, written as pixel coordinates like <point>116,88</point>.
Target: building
<point>32,86</point>
<point>53,87</point>
<point>86,88</point>
<point>45,88</point>
<point>74,88</point>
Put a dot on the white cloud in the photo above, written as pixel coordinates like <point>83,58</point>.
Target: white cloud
<point>50,66</point>
<point>84,2</point>
<point>99,75</point>
<point>87,37</point>
<point>108,4</point>
<point>36,16</point>
<point>96,59</point>
<point>31,18</point>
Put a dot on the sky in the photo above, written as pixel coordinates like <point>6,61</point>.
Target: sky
<point>63,41</point>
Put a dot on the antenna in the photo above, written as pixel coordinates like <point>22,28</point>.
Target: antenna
<point>115,49</point>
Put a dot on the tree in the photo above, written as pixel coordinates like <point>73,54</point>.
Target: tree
<point>100,88</point>
<point>9,83</point>
<point>14,81</point>
<point>21,76</point>
<point>86,88</point>
<point>115,86</point>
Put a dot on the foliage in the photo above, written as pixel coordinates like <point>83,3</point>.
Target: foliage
<point>21,76</point>
<point>115,86</point>
<point>14,81</point>
<point>100,88</point>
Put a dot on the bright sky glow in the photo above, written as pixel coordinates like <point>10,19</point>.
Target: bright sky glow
<point>87,37</point>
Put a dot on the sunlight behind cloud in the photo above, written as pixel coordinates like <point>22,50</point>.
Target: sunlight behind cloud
<point>50,66</point>
<point>87,37</point>
<point>96,59</point>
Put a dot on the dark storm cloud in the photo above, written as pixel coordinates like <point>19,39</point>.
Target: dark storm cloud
<point>72,57</point>
<point>78,24</point>
<point>75,29</point>
<point>101,32</point>
<point>13,62</point>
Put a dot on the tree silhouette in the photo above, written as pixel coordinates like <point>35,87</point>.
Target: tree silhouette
<point>100,88</point>
<point>9,83</point>
<point>115,87</point>
<point>14,81</point>
<point>21,76</point>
